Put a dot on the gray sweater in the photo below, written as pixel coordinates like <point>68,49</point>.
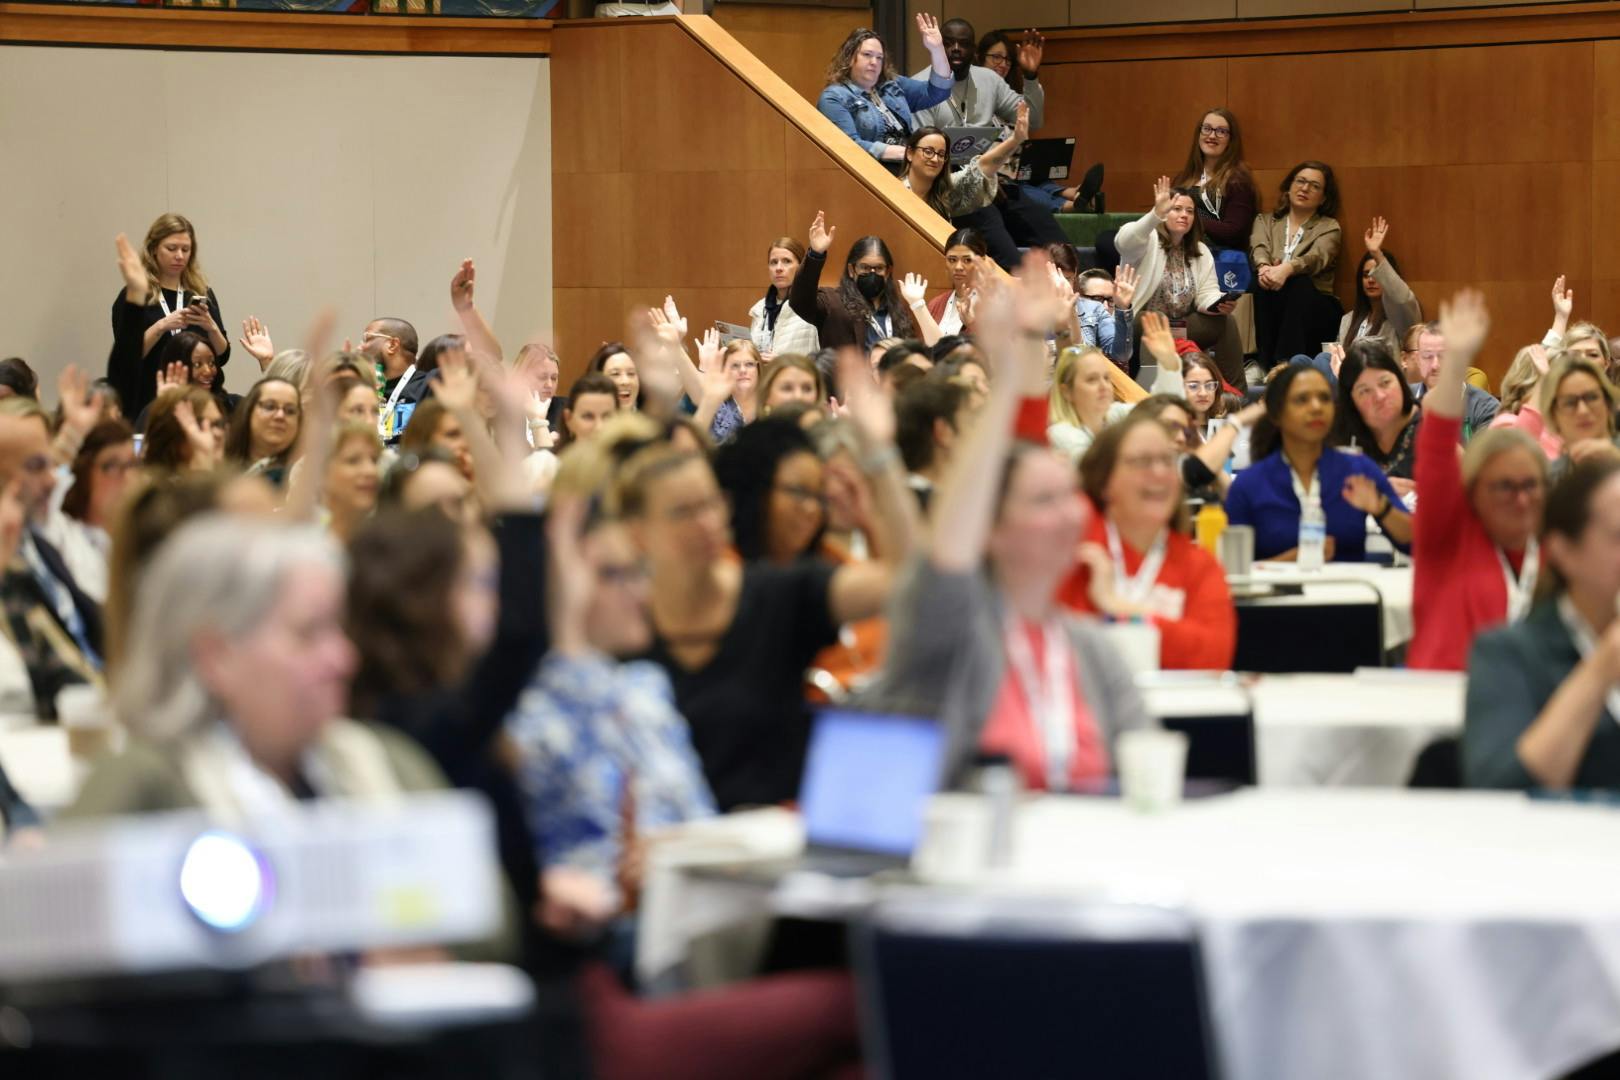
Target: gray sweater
<point>946,660</point>
<point>983,99</point>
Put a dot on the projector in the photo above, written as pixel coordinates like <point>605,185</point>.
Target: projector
<point>182,891</point>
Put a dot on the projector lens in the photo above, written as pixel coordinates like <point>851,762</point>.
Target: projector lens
<point>225,882</point>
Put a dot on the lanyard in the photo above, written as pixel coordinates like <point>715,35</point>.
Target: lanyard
<point>1214,208</point>
<point>385,422</point>
<point>1050,698</point>
<point>179,304</point>
<point>1293,243</point>
<point>1521,588</point>
<point>1135,589</point>
<point>1585,642</point>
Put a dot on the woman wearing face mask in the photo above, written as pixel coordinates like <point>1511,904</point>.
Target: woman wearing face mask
<point>873,105</point>
<point>1475,555</point>
<point>1377,414</point>
<point>978,638</point>
<point>614,361</point>
<point>1137,561</point>
<point>1542,706</point>
<point>1292,462</point>
<point>1295,250</point>
<point>1176,275</point>
<point>867,305</point>
<point>790,379</point>
<point>165,292</point>
<point>1579,403</point>
<point>953,309</point>
<point>772,324</point>
<point>1521,400</point>
<point>1081,402</point>
<point>1386,307</point>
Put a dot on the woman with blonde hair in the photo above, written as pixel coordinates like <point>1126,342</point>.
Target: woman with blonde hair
<point>775,328</point>
<point>1082,400</point>
<point>788,379</point>
<point>1579,404</point>
<point>164,293</point>
<point>1521,400</point>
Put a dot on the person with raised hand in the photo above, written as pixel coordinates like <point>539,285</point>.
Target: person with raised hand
<point>164,293</point>
<point>1475,551</point>
<point>972,186</point>
<point>873,105</point>
<point>1083,400</point>
<point>1386,308</point>
<point>480,338</point>
<point>976,635</point>
<point>1176,275</point>
<point>1582,339</point>
<point>867,305</point>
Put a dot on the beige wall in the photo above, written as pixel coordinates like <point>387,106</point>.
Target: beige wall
<point>356,182</point>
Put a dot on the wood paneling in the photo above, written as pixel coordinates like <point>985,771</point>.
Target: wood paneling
<point>1111,12</point>
<point>797,42</point>
<point>1606,101</point>
<point>681,192</point>
<point>269,31</point>
<point>1273,9</point>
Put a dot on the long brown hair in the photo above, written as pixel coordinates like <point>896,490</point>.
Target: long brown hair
<point>166,445</point>
<point>1229,168</point>
<point>76,503</point>
<point>239,439</point>
<point>844,59</point>
<point>1195,232</point>
<point>191,278</point>
<point>1102,458</point>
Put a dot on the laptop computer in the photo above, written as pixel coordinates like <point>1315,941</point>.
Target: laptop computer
<point>1041,160</point>
<point>966,143</point>
<point>867,780</point>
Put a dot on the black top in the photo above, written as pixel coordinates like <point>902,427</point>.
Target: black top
<point>409,398</point>
<point>826,311</point>
<point>746,707</point>
<point>133,374</point>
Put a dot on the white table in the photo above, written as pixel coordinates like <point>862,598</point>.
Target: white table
<point>1421,935</point>
<point>37,761</point>
<point>1345,583</point>
<point>1364,729</point>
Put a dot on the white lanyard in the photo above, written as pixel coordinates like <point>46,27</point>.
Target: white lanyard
<point>1050,698</point>
<point>385,422</point>
<point>1203,194</point>
<point>1521,589</point>
<point>1288,248</point>
<point>1585,642</point>
<point>1135,589</point>
<point>179,304</point>
<point>884,323</point>
<point>1301,492</point>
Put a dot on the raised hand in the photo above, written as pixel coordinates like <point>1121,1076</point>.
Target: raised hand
<point>204,446</point>
<point>1464,321</point>
<point>461,286</point>
<point>1031,50</point>
<point>821,234</point>
<point>1563,299</point>
<point>172,377</point>
<point>256,340</point>
<point>709,351</point>
<point>1157,340</point>
<point>928,27</point>
<point>865,403</point>
<point>1336,357</point>
<point>1020,133</point>
<point>1124,286</point>
<point>1064,288</point>
<point>1374,237</point>
<point>1161,196</point>
<point>456,386</point>
<point>571,582</point>
<point>914,289</point>
<point>1360,492</point>
<point>719,382</point>
<point>667,332</point>
<point>133,271</point>
<point>81,408</point>
<point>673,314</point>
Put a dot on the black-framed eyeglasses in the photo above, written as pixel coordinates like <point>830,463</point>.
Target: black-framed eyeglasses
<point>931,154</point>
<point>997,60</point>
<point>1214,132</point>
<point>1512,489</point>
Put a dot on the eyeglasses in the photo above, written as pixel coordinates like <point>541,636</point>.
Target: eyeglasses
<point>931,154</point>
<point>1149,461</point>
<point>997,60</point>
<point>37,464</point>
<point>1213,132</point>
<point>1512,489</point>
<point>271,408</point>
<point>743,365</point>
<point>1208,386</point>
<point>369,334</point>
<point>1307,185</point>
<point>802,494</point>
<point>1099,299</point>
<point>1570,402</point>
<point>622,574</point>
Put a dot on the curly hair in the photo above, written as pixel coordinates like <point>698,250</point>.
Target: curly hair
<point>746,468</point>
<point>844,58</point>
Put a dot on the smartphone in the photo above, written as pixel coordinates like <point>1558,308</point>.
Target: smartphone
<point>197,301</point>
<point>1231,297</point>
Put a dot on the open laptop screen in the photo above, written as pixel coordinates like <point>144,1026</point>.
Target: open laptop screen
<point>867,779</point>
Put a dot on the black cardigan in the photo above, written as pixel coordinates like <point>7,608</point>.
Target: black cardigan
<point>134,373</point>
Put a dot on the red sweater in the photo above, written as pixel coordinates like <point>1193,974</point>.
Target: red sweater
<point>1205,637</point>
<point>1457,587</point>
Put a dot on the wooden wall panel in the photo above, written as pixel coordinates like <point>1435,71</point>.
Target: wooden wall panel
<point>1112,12</point>
<point>723,222</point>
<point>1606,101</point>
<point>586,133</point>
<point>797,42</point>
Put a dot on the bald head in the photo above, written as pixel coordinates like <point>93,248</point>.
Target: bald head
<point>393,341</point>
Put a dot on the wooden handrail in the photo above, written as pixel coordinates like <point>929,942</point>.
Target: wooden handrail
<point>269,31</point>
<point>1334,33</point>
<point>817,128</point>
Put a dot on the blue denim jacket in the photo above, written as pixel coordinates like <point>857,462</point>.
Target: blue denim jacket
<point>845,105</point>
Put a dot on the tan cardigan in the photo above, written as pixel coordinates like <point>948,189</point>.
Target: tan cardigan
<point>1316,256</point>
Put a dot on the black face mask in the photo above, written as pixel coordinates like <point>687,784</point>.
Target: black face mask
<point>871,285</point>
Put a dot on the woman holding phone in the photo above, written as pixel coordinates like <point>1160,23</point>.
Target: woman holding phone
<point>165,293</point>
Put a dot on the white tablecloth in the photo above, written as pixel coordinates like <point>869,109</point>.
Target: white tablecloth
<point>1346,583</point>
<point>1397,935</point>
<point>1364,729</point>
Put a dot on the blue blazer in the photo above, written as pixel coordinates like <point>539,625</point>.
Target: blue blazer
<point>1263,498</point>
<point>848,107</point>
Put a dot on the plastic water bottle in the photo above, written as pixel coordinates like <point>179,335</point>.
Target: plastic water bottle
<point>1312,534</point>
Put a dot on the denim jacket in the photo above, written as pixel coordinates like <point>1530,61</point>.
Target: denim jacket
<point>847,106</point>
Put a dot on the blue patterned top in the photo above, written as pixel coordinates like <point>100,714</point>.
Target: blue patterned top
<point>587,726</point>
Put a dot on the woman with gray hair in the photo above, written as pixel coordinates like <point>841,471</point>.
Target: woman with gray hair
<point>236,672</point>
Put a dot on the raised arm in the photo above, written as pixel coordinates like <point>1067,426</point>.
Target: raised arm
<point>804,294</point>
<point>991,161</point>
<point>1563,301</point>
<point>480,338</point>
<point>914,291</point>
<point>1464,322</point>
<point>501,485</point>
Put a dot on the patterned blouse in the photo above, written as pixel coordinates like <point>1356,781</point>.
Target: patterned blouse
<point>1175,295</point>
<point>587,728</point>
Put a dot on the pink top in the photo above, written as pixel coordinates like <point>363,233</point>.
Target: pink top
<point>1012,729</point>
<point>1529,420</point>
